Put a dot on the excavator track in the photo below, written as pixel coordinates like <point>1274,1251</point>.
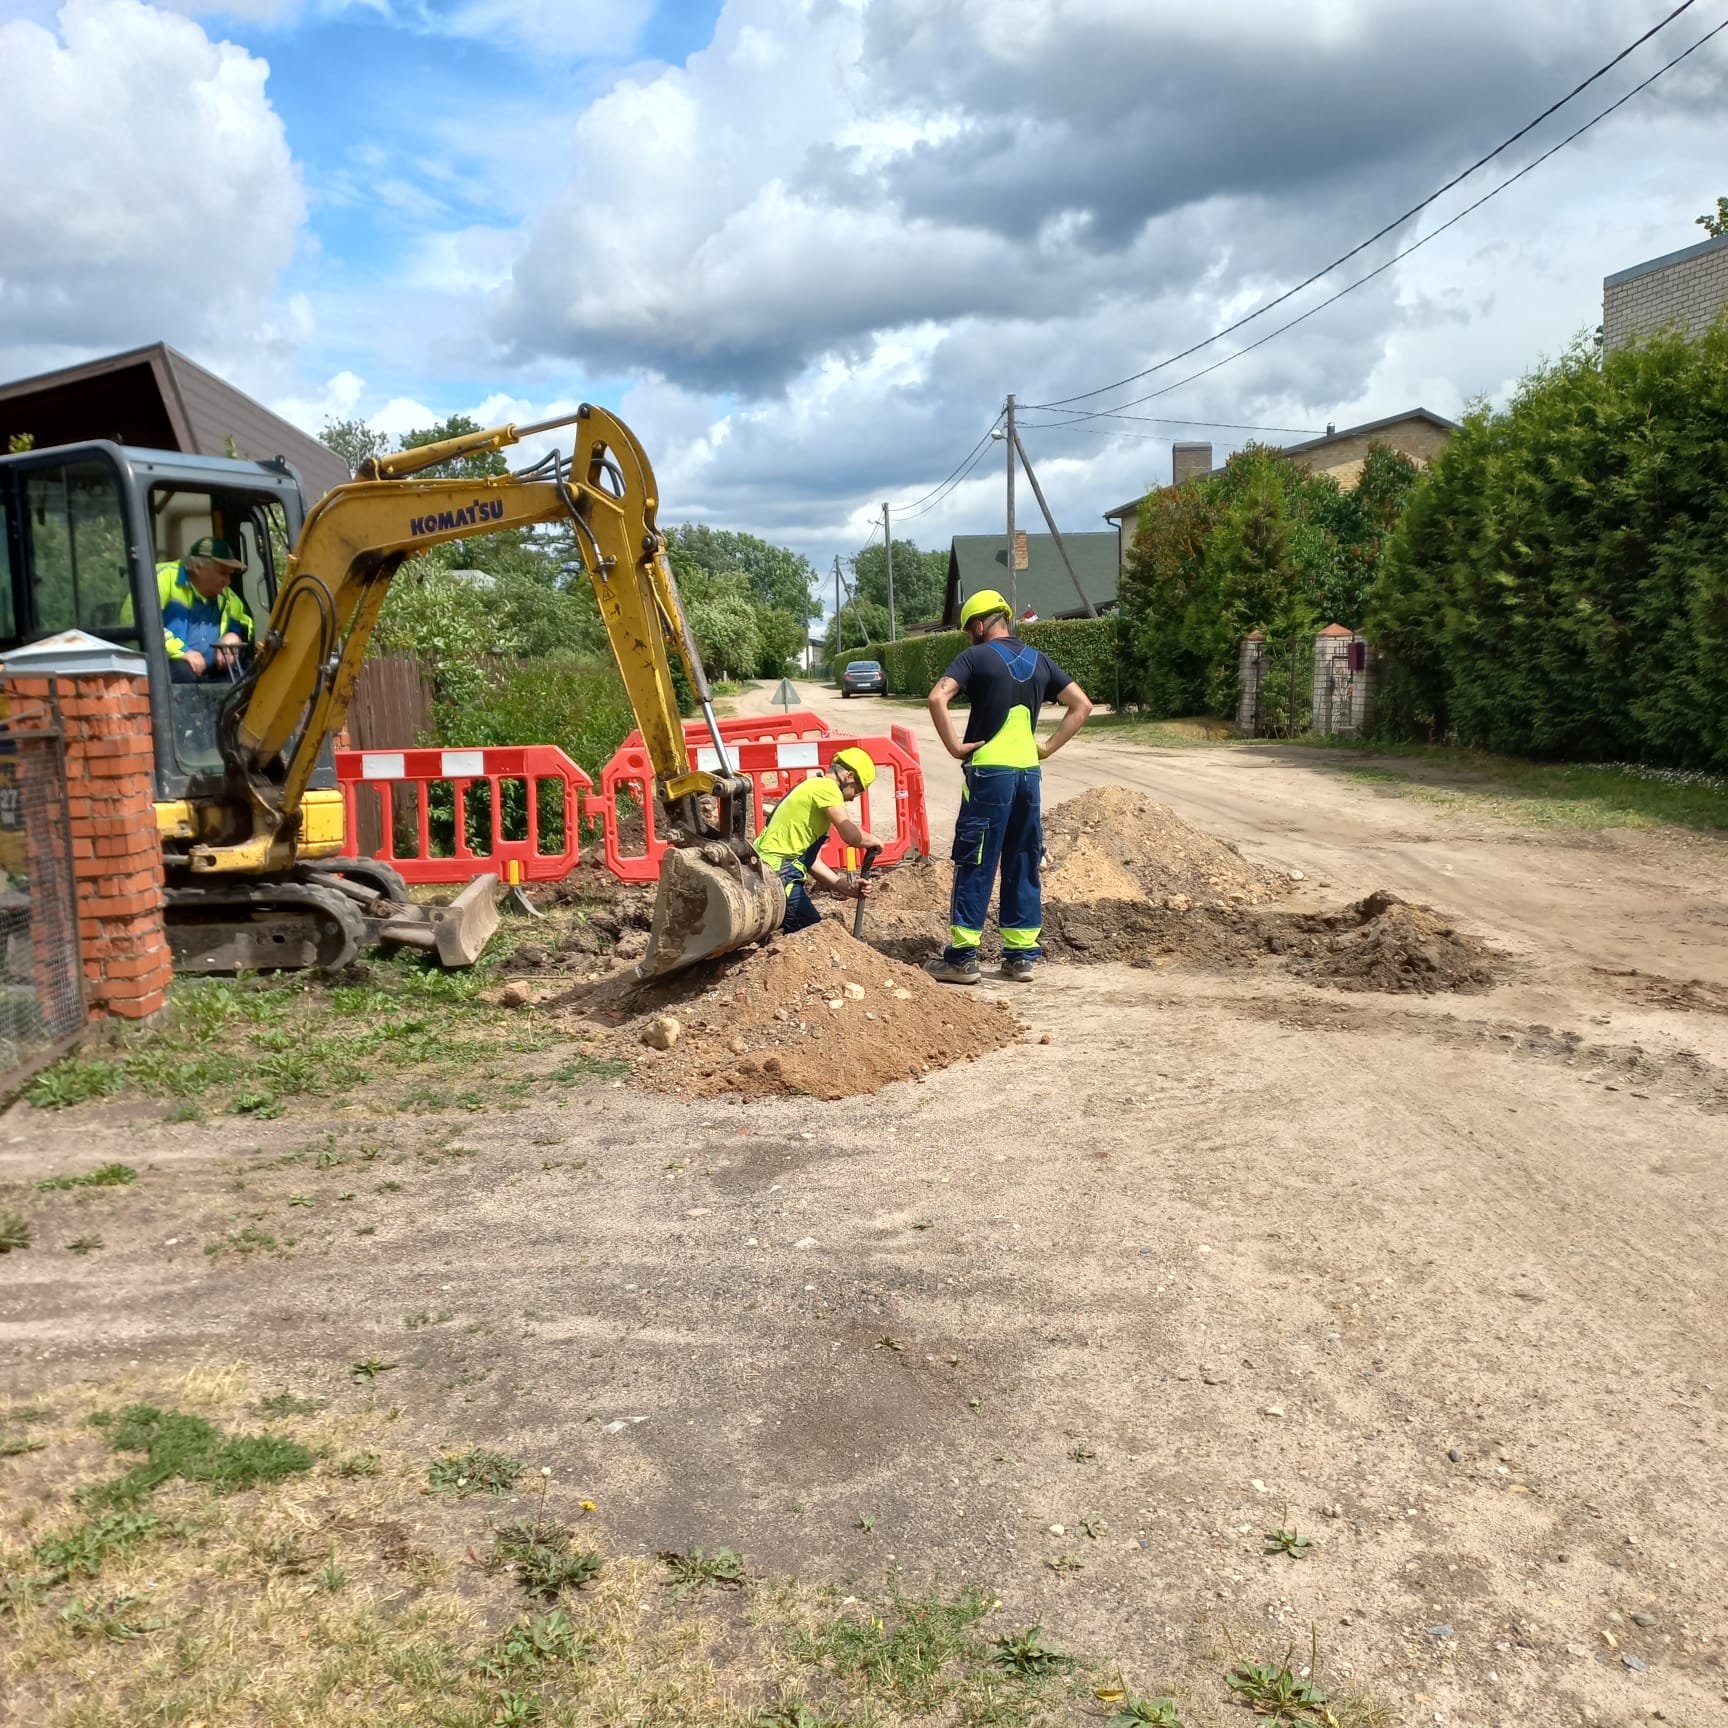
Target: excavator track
<point>262,926</point>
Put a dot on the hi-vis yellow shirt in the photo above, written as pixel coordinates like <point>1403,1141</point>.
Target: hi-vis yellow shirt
<point>1007,683</point>
<point>799,824</point>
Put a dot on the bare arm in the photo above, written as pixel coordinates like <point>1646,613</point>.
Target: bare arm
<point>944,693</point>
<point>1076,706</point>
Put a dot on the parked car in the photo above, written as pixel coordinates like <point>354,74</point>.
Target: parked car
<point>862,677</point>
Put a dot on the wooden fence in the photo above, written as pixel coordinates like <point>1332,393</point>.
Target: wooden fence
<point>391,710</point>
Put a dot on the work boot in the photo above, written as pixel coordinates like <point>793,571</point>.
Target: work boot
<point>946,971</point>
<point>1018,967</point>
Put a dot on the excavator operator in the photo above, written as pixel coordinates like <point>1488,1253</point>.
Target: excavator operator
<point>792,843</point>
<point>204,621</point>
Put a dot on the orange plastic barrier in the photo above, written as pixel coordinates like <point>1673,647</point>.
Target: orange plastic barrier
<point>775,766</point>
<point>444,854</point>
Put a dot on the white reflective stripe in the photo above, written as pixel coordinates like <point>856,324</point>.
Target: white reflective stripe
<point>708,759</point>
<point>463,764</point>
<point>382,765</point>
<point>797,756</point>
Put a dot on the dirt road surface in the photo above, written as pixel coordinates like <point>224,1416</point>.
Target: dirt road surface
<point>1437,1281</point>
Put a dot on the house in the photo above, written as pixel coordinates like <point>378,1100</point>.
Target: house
<point>159,400</point>
<point>1044,587</point>
<point>1685,290</point>
<point>1418,433</point>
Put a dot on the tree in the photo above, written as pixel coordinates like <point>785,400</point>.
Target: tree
<point>722,618</point>
<point>777,576</point>
<point>1264,545</point>
<point>863,621</point>
<point>354,441</point>
<point>920,580</point>
<point>1716,225</point>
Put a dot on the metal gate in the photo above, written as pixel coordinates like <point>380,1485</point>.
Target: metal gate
<point>1305,684</point>
<point>42,1009</point>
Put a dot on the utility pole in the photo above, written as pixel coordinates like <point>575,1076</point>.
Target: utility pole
<point>839,622</point>
<point>888,541</point>
<point>1011,443</point>
<point>1055,532</point>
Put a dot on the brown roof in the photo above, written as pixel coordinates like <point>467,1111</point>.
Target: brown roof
<point>156,398</point>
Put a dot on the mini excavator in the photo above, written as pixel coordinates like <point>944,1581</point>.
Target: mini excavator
<point>251,821</point>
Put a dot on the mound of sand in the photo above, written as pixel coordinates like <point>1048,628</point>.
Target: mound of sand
<point>1384,943</point>
<point>815,1014</point>
<point>1098,841</point>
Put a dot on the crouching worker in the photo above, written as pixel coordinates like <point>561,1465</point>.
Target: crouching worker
<point>792,843</point>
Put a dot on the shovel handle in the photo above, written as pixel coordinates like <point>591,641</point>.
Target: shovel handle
<point>863,877</point>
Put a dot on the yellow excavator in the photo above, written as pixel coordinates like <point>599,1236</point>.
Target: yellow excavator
<point>251,820</point>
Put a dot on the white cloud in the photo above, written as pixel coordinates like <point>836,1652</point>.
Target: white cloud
<point>160,199</point>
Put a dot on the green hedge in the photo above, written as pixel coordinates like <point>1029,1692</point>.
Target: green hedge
<point>1085,648</point>
<point>1559,584</point>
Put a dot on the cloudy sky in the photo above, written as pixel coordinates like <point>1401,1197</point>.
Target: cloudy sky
<point>805,247</point>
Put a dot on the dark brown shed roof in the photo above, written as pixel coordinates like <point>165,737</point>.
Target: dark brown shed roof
<point>159,400</point>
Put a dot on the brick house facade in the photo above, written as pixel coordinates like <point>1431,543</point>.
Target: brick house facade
<point>1685,290</point>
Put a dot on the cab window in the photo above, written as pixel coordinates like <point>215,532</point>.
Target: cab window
<point>8,604</point>
<point>179,519</point>
<point>77,550</point>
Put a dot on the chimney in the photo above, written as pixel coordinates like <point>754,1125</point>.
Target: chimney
<point>1331,428</point>
<point>1188,461</point>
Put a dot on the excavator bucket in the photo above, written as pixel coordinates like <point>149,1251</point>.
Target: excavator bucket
<point>710,902</point>
<point>457,933</point>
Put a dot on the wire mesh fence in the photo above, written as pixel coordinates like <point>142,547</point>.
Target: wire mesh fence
<point>42,1006</point>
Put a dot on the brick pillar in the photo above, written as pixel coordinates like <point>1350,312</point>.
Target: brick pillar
<point>1251,653</point>
<point>116,852</point>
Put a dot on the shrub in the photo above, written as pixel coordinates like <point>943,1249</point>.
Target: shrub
<point>1559,586</point>
<point>1085,648</point>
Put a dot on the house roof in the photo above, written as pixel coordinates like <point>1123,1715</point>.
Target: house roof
<point>1312,444</point>
<point>981,561</point>
<point>156,398</point>
<point>1715,243</point>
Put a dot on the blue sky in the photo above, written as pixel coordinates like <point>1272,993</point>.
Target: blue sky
<point>806,247</point>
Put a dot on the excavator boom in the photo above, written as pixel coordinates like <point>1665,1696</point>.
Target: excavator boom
<point>714,897</point>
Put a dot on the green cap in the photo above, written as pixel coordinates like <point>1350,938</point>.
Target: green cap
<point>217,551</point>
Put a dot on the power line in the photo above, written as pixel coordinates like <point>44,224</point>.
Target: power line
<point>970,455</point>
<point>1417,245</point>
<point>1080,414</point>
<point>951,484</point>
<point>1381,233</point>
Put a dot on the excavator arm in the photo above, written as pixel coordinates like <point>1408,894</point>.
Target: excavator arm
<point>302,679</point>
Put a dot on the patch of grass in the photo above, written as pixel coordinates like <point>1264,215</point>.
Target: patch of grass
<point>545,1558</point>
<point>179,1445</point>
<point>118,1619</point>
<point>74,1080</point>
<point>359,1464</point>
<point>103,1176</point>
<point>242,1244</point>
<point>476,1471</point>
<point>531,1645</point>
<point>1185,733</point>
<point>692,1570</point>
<point>289,1404</point>
<point>15,1232</point>
<point>11,1448</point>
<point>83,1550</point>
<point>415,1322</point>
<point>84,1245</point>
<point>1541,794</point>
<point>910,1653</point>
<point>369,1368</point>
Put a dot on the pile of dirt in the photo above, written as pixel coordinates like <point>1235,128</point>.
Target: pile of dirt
<point>1108,838</point>
<point>1384,943</point>
<point>816,1014</point>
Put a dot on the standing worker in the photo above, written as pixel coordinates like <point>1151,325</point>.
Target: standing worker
<point>792,843</point>
<point>1000,821</point>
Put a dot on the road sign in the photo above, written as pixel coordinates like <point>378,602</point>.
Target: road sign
<point>785,696</point>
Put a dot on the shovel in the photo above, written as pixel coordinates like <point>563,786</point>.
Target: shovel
<point>863,877</point>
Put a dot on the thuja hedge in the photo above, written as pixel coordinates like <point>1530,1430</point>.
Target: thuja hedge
<point>1085,648</point>
<point>1559,584</point>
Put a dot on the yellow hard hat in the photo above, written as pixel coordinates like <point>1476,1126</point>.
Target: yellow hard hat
<point>982,604</point>
<point>860,764</point>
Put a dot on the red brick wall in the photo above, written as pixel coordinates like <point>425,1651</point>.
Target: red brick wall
<point>116,853</point>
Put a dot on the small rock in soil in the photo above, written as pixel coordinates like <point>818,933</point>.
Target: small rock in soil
<point>1454,1454</point>
<point>1439,1631</point>
<point>1643,1619</point>
<point>516,996</point>
<point>531,954</point>
<point>662,1032</point>
<point>1633,1662</point>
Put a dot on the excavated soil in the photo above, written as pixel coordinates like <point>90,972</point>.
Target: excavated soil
<point>1127,880</point>
<point>816,1014</point>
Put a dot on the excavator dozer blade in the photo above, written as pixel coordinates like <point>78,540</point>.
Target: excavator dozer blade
<point>457,933</point>
<point>710,902</point>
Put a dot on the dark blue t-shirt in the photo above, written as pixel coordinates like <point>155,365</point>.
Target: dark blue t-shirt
<point>1007,683</point>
